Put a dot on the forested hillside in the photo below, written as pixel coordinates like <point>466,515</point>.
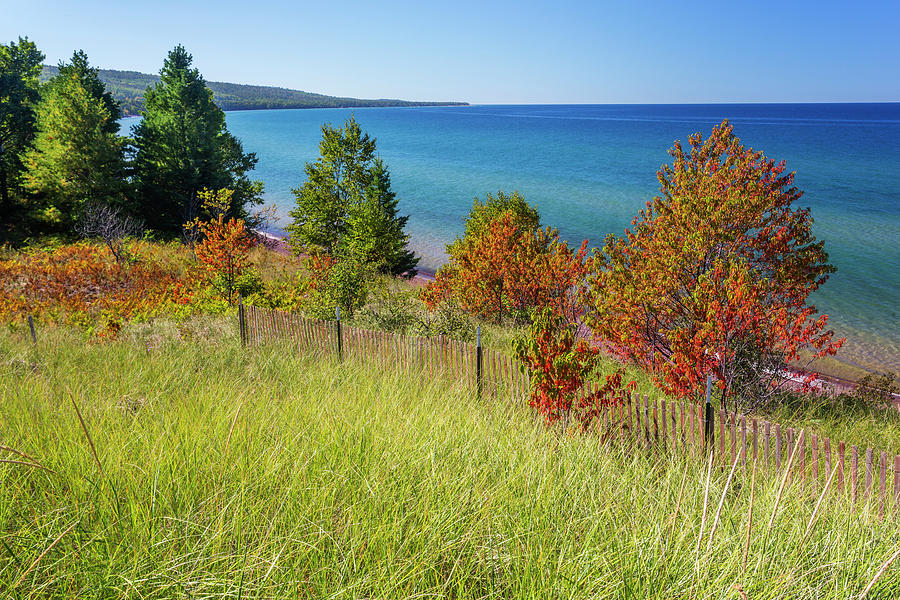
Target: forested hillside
<point>128,88</point>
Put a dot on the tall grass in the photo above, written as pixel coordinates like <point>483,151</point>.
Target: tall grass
<point>227,473</point>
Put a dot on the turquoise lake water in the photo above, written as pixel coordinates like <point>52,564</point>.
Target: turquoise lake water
<point>591,168</point>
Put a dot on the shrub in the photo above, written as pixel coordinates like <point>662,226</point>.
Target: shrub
<point>561,367</point>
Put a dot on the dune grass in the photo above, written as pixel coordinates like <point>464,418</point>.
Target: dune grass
<point>229,473</point>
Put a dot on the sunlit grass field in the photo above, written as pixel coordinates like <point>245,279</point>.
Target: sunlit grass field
<point>198,469</point>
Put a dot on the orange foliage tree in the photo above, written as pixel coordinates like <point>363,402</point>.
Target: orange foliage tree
<point>560,364</point>
<point>224,253</point>
<point>714,276</point>
<point>509,269</point>
<point>506,264</point>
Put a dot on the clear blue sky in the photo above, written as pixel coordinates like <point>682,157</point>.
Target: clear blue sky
<point>496,52</point>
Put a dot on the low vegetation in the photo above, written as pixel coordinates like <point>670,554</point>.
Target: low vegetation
<point>196,468</point>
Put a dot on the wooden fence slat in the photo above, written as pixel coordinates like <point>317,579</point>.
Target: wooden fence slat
<point>840,461</point>
<point>701,429</point>
<point>897,484</point>
<point>628,421</point>
<point>722,436</point>
<point>801,451</point>
<point>755,440</point>
<point>732,425</point>
<point>648,434</point>
<point>672,409</point>
<point>868,473</point>
<point>744,441</point>
<point>854,470</point>
<point>882,486</point>
<point>777,446</point>
<point>665,424</point>
<point>638,422</point>
<point>789,449</point>
<point>814,451</point>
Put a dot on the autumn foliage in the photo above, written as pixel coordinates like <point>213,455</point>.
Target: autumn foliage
<point>83,284</point>
<point>509,269</point>
<point>714,275</point>
<point>561,368</point>
<point>224,253</point>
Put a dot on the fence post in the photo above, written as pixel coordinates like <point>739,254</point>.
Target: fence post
<point>709,436</point>
<point>33,333</point>
<point>479,360</point>
<point>242,327</point>
<point>340,345</point>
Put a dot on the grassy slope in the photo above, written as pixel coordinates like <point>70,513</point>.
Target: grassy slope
<point>263,474</point>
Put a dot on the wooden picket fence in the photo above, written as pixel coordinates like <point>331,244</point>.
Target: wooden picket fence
<point>863,476</point>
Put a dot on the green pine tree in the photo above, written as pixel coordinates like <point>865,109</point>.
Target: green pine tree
<point>374,231</point>
<point>20,67</point>
<point>75,159</point>
<point>183,146</point>
<point>90,80</point>
<point>347,208</point>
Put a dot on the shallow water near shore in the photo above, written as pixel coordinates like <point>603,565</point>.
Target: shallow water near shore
<point>591,168</point>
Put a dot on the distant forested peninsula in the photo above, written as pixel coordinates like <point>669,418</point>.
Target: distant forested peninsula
<point>128,88</point>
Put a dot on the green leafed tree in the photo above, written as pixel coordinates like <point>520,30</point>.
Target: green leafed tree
<point>347,207</point>
<point>20,67</point>
<point>183,146</point>
<point>77,156</point>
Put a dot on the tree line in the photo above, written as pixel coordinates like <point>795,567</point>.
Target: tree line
<point>62,152</point>
<point>128,88</point>
<point>65,169</point>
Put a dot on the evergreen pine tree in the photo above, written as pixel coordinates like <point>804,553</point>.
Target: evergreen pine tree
<point>90,80</point>
<point>375,233</point>
<point>183,146</point>
<point>347,208</point>
<point>75,159</point>
<point>20,67</point>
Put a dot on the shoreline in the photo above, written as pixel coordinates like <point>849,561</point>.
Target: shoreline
<point>279,244</point>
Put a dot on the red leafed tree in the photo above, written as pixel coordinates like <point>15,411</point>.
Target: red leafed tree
<point>509,269</point>
<point>714,276</point>
<point>560,365</point>
<point>224,253</point>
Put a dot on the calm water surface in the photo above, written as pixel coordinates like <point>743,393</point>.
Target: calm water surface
<point>591,168</point>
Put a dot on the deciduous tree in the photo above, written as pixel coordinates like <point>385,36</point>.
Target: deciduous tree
<point>224,253</point>
<point>714,276</point>
<point>506,265</point>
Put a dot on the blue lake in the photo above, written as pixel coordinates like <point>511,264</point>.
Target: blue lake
<point>590,168</point>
